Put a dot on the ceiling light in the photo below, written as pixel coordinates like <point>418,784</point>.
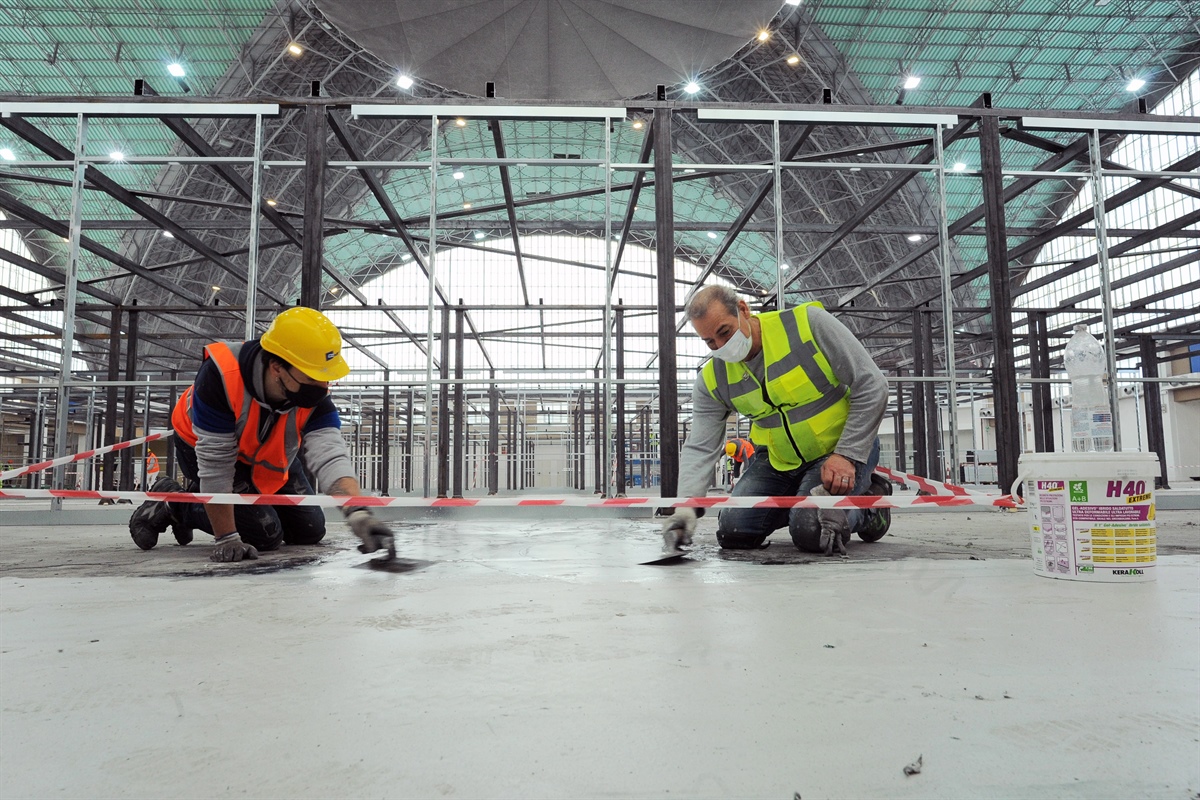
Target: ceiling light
<point>460,122</point>
<point>638,124</point>
<point>479,235</point>
<point>177,70</point>
<point>959,166</point>
<point>168,235</point>
<point>7,154</point>
<point>712,235</point>
<point>1134,84</point>
<point>271,202</point>
<point>688,171</point>
<point>914,237</point>
<point>856,169</point>
<point>912,82</point>
<point>692,87</point>
<point>763,35</point>
<point>791,2</point>
<point>793,59</point>
<point>459,175</point>
<point>466,205</point>
<point>295,49</point>
<point>116,155</point>
<point>216,288</point>
<point>404,82</point>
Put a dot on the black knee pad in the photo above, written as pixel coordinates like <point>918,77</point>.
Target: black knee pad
<point>804,525</point>
<point>261,528</point>
<point>304,533</point>
<point>740,541</point>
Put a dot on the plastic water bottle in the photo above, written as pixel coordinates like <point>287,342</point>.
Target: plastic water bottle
<point>1091,414</point>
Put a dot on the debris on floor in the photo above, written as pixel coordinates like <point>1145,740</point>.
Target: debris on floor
<point>915,767</point>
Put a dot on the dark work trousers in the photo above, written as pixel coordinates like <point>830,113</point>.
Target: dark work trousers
<point>748,528</point>
<point>265,527</point>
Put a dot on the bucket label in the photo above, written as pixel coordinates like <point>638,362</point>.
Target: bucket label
<point>1093,528</point>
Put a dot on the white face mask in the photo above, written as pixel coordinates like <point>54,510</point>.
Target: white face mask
<point>738,346</point>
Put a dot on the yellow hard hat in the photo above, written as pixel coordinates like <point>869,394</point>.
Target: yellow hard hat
<point>730,449</point>
<point>306,339</point>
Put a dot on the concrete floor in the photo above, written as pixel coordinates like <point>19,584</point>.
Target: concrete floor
<point>534,658</point>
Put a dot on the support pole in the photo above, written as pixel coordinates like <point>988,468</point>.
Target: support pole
<point>901,447</point>
<point>664,232</point>
<point>385,438</point>
<point>460,416</point>
<point>108,479</point>
<point>1004,370</point>
<point>597,430</point>
<point>252,249</point>
<point>933,427</point>
<point>127,423</point>
<point>443,411</point>
<point>620,409</point>
<point>314,206</point>
<point>1102,264</point>
<point>408,444</point>
<point>1039,368</point>
<point>921,461</point>
<point>1155,439</point>
<point>493,438</point>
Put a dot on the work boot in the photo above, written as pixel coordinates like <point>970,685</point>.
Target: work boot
<point>153,517</point>
<point>878,520</point>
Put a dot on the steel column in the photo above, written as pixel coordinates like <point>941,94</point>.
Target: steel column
<point>664,231</point>
<point>459,412</point>
<point>443,412</point>
<point>1156,441</point>
<point>314,206</point>
<point>901,448</point>
<point>920,439</point>
<point>108,479</point>
<point>1004,372</point>
<point>70,298</point>
<point>385,472</point>
<point>493,438</point>
<point>1039,368</point>
<point>1102,264</point>
<point>127,430</point>
<point>619,489</point>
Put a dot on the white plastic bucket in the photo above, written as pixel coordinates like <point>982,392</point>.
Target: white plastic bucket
<point>1091,515</point>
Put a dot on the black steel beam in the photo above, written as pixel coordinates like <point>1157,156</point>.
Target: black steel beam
<point>1156,439</point>
<point>668,385</point>
<point>314,206</point>
<point>509,207</point>
<point>639,179</point>
<point>1004,373</point>
<point>619,433</point>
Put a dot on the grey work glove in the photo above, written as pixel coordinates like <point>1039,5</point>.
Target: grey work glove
<point>230,547</point>
<point>373,533</point>
<point>835,526</point>
<point>677,529</point>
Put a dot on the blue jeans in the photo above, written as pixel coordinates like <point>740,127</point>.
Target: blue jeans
<point>748,528</point>
<point>265,527</point>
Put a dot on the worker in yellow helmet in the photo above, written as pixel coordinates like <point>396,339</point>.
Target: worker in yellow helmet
<point>257,416</point>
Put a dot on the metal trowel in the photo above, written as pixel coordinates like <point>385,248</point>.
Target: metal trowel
<point>673,557</point>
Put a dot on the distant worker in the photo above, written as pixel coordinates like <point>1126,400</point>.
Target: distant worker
<point>815,399</point>
<point>740,450</point>
<point>257,416</point>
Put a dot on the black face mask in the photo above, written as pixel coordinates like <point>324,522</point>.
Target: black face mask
<point>307,396</point>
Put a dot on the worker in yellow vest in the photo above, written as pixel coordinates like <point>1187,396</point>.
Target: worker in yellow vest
<point>815,400</point>
<point>256,419</point>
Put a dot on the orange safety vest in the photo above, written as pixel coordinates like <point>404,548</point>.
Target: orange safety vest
<point>151,463</point>
<point>269,457</point>
<point>745,449</point>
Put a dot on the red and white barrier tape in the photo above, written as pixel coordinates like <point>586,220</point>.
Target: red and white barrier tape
<point>859,501</point>
<point>99,451</point>
<point>929,485</point>
<point>939,494</point>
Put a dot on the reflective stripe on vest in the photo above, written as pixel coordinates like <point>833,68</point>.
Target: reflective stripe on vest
<point>800,415</point>
<point>269,453</point>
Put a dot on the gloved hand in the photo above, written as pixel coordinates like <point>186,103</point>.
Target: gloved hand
<point>373,533</point>
<point>677,529</point>
<point>230,547</point>
<point>835,526</point>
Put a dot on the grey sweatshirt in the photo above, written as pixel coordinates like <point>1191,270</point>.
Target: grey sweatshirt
<point>852,365</point>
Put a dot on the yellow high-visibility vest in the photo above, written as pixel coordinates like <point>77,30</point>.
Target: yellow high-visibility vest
<point>799,413</point>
